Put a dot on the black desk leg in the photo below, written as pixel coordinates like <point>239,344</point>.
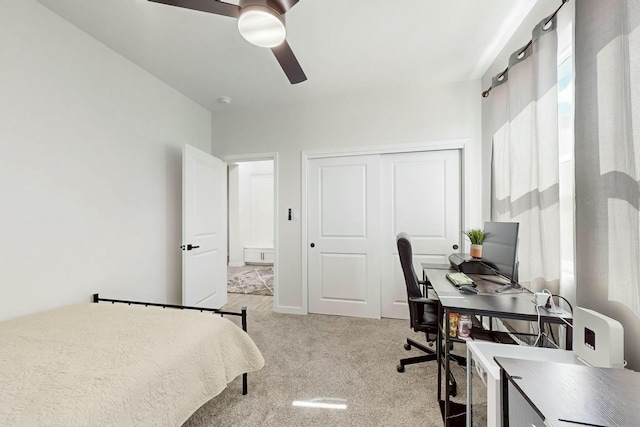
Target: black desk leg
<point>504,390</point>
<point>447,368</point>
<point>568,336</point>
<point>439,351</point>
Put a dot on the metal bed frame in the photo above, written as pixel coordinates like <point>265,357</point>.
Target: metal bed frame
<point>242,314</point>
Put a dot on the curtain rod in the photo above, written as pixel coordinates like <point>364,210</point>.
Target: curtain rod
<point>485,94</point>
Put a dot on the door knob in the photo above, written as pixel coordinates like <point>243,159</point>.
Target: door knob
<point>455,247</point>
<point>313,245</point>
<point>188,247</point>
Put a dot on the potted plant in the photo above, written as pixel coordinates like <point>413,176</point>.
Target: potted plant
<point>476,237</point>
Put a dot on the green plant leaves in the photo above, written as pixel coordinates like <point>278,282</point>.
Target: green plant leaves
<point>475,235</point>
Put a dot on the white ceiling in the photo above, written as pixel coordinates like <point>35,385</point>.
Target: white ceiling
<point>342,45</point>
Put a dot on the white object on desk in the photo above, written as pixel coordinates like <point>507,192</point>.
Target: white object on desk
<point>482,353</point>
<point>597,339</point>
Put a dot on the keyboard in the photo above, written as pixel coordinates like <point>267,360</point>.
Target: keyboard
<point>459,279</point>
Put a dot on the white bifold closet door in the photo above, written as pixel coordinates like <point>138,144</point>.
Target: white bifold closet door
<point>421,196</point>
<point>344,236</point>
<point>356,207</point>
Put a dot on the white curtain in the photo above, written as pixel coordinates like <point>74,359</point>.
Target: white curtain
<point>524,111</point>
<point>607,37</point>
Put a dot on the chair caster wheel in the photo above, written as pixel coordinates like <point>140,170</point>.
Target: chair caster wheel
<point>400,368</point>
<point>407,347</point>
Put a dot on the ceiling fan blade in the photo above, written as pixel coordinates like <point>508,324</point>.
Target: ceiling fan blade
<point>289,63</point>
<point>285,5</point>
<point>211,6</point>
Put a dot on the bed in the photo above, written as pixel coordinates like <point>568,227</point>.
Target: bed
<point>118,364</point>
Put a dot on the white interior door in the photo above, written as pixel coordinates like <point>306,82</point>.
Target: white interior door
<point>204,229</point>
<point>344,236</point>
<point>421,195</point>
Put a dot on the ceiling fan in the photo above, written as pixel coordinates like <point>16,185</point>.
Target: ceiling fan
<point>260,22</point>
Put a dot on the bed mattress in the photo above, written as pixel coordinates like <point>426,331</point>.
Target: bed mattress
<point>113,364</point>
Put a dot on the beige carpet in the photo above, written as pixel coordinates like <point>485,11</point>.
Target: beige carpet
<point>333,359</point>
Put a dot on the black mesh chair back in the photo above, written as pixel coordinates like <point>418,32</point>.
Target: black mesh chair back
<point>423,317</point>
<point>405,252</point>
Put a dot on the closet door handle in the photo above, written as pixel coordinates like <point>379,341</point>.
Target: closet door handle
<point>313,245</point>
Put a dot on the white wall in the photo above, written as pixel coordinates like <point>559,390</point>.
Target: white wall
<point>90,168</point>
<point>256,204</point>
<point>354,120</point>
<point>236,245</point>
<point>250,208</point>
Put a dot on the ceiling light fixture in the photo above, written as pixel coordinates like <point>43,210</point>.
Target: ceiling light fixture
<point>262,26</point>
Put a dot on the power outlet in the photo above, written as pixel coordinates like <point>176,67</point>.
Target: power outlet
<point>541,299</point>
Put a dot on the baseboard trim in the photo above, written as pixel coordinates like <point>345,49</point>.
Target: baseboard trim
<point>236,264</point>
<point>290,310</point>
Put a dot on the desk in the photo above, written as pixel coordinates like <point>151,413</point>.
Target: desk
<point>563,395</point>
<point>508,305</point>
<point>482,353</point>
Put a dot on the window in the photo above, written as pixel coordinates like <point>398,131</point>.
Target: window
<point>566,154</point>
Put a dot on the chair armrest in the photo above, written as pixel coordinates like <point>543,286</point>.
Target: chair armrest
<point>423,300</point>
<point>423,313</point>
<point>425,283</point>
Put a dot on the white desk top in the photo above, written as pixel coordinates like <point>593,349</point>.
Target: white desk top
<point>485,351</point>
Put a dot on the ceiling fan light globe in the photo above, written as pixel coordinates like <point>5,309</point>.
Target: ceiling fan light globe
<point>261,26</point>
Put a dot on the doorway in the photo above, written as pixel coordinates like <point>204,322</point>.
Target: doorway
<point>251,229</point>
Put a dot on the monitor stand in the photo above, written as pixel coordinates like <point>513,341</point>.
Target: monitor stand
<point>506,287</point>
<point>498,282</point>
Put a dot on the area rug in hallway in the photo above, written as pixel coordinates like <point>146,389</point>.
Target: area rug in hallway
<point>250,279</point>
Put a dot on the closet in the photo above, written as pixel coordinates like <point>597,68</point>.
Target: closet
<point>355,207</point>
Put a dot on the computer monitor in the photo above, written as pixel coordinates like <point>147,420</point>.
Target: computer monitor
<point>499,248</point>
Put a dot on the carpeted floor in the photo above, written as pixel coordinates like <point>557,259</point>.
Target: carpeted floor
<point>250,279</point>
<point>330,359</point>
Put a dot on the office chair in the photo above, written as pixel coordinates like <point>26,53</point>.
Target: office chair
<point>423,311</point>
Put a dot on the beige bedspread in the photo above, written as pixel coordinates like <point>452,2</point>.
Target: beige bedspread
<point>104,364</point>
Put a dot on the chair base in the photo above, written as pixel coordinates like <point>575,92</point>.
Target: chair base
<point>412,360</point>
<point>411,343</point>
<point>431,355</point>
<point>462,360</point>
